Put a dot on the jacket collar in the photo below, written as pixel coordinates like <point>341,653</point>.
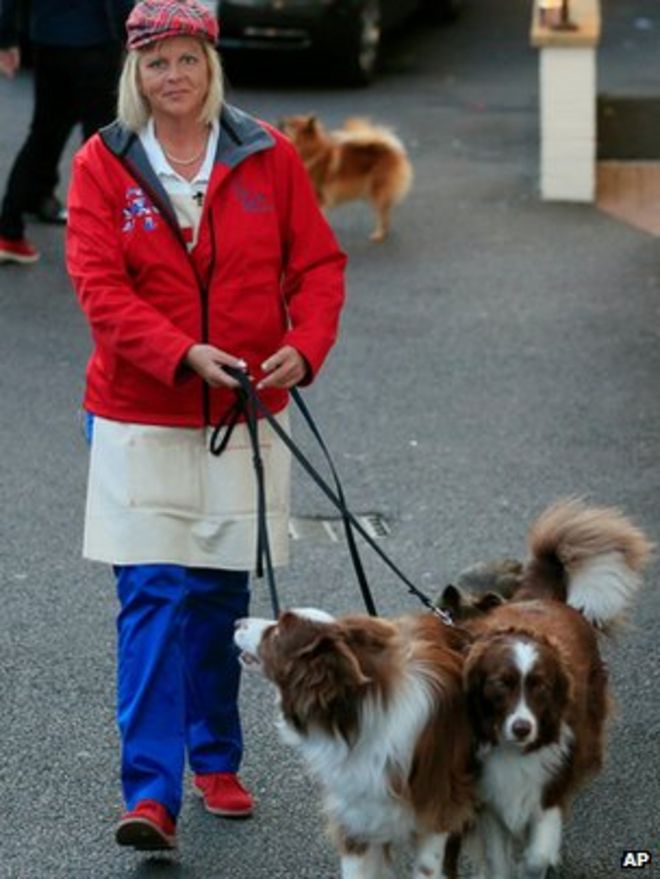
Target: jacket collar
<point>240,136</point>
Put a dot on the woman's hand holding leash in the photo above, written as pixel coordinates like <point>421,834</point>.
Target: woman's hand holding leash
<point>286,368</point>
<point>207,361</point>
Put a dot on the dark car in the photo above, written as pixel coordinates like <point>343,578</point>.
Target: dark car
<point>345,35</point>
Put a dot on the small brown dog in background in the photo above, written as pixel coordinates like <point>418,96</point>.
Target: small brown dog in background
<point>358,161</point>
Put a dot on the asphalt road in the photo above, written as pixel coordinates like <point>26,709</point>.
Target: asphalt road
<point>497,352</point>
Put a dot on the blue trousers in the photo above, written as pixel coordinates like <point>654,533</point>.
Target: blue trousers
<point>177,676</point>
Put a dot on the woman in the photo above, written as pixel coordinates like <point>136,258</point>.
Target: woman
<point>194,244</point>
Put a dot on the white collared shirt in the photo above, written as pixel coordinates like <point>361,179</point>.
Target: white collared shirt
<point>187,196</point>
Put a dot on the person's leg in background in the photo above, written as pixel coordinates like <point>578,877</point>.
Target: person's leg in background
<point>215,600</point>
<point>34,173</point>
<point>92,76</point>
<point>151,701</point>
<point>96,88</point>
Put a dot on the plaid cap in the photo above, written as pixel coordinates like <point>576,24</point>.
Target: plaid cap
<point>154,20</point>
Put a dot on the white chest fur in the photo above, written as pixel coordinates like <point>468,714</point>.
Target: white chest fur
<point>356,780</point>
<point>512,782</point>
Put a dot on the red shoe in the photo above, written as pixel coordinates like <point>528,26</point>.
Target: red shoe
<point>223,794</point>
<point>148,827</point>
<point>17,250</point>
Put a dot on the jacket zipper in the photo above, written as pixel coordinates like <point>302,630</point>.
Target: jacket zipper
<point>201,287</point>
<point>205,309</point>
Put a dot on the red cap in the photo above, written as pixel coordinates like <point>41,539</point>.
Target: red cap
<point>154,20</point>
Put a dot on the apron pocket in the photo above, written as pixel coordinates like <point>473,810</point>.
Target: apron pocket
<point>164,469</point>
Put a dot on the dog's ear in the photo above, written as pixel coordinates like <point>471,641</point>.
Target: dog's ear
<point>298,635</point>
<point>481,715</point>
<point>352,664</point>
<point>311,123</point>
<point>287,619</point>
<point>451,598</point>
<point>489,601</point>
<point>332,649</point>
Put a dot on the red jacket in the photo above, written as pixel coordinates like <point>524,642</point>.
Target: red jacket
<point>266,271</point>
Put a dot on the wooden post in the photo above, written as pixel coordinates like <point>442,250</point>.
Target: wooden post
<point>567,41</point>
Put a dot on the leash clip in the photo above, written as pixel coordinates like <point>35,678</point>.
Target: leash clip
<point>443,615</point>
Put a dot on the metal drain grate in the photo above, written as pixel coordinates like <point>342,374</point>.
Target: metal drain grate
<point>375,525</point>
<point>332,530</point>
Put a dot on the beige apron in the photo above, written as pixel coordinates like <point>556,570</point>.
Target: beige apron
<point>157,495</point>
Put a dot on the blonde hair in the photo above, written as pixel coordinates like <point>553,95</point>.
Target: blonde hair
<point>133,110</point>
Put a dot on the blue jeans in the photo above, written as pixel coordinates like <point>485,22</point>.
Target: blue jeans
<point>177,676</point>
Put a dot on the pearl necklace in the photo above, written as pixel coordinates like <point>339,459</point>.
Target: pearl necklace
<point>184,161</point>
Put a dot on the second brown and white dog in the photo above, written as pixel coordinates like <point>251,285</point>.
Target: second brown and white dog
<point>358,161</point>
<point>537,687</point>
<point>376,710</point>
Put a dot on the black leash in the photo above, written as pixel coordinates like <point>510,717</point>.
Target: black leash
<point>245,405</point>
<point>249,404</point>
<point>367,597</point>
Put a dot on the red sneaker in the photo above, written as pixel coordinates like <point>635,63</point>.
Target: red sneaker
<point>223,794</point>
<point>148,827</point>
<point>17,250</point>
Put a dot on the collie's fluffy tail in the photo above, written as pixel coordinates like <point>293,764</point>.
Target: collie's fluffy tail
<point>590,557</point>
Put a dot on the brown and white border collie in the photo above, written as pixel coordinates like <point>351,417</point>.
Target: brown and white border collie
<point>377,711</point>
<point>537,687</point>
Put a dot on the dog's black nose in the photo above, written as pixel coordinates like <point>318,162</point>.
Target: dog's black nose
<point>521,729</point>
